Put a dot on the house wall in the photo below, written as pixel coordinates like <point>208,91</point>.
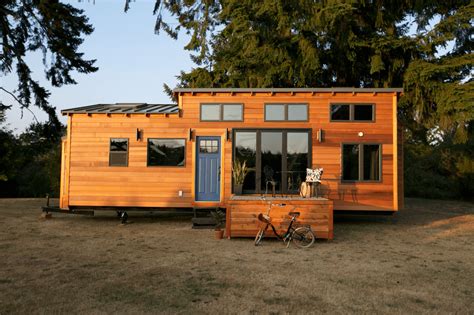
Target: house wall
<point>92,182</point>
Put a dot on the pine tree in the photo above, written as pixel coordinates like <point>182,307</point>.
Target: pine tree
<point>52,27</point>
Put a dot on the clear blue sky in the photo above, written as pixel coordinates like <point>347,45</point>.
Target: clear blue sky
<point>133,61</point>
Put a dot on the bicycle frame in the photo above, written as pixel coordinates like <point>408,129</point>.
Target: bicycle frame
<point>284,236</point>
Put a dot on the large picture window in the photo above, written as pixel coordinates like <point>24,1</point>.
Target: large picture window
<point>361,162</point>
<point>118,152</point>
<point>352,112</point>
<point>286,112</point>
<point>278,156</point>
<point>222,112</point>
<point>166,152</point>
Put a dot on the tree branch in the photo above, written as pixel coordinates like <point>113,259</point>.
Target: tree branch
<point>23,106</point>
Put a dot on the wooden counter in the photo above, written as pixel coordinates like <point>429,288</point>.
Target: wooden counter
<point>242,212</point>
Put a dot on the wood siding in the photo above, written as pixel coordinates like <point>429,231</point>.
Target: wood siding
<point>242,215</point>
<point>92,182</point>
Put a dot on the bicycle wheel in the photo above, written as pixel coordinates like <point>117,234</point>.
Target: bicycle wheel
<point>303,237</point>
<point>259,236</point>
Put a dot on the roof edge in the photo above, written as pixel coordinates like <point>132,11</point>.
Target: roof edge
<point>282,90</point>
<point>123,108</point>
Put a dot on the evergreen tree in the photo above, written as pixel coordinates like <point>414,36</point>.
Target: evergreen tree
<point>365,43</point>
<point>310,43</point>
<point>54,28</point>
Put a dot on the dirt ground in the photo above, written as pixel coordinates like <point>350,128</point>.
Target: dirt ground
<point>420,261</point>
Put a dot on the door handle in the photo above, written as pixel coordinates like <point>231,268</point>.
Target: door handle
<point>219,172</point>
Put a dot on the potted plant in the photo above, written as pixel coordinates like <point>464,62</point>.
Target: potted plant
<point>239,171</point>
<point>219,217</point>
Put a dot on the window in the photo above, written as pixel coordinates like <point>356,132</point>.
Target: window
<point>361,162</point>
<point>245,149</point>
<point>118,152</point>
<point>281,156</point>
<point>208,146</point>
<point>166,152</point>
<point>222,112</point>
<point>274,112</point>
<point>352,112</point>
<point>286,112</point>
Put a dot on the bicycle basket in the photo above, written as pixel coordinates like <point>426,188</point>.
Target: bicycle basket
<point>264,218</point>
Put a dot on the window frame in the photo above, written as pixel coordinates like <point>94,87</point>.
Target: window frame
<point>286,111</point>
<point>173,166</point>
<point>258,158</point>
<point>221,112</point>
<point>360,163</point>
<point>126,153</point>
<point>352,113</point>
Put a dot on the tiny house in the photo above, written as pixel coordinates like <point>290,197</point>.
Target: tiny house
<point>181,155</point>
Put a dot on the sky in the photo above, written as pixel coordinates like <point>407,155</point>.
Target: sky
<point>133,62</point>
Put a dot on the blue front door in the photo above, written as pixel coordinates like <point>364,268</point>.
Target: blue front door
<point>208,168</point>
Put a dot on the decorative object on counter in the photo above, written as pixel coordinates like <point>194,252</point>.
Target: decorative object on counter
<point>239,172</point>
<point>313,176</point>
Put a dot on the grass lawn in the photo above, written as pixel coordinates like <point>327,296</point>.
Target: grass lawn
<point>420,261</point>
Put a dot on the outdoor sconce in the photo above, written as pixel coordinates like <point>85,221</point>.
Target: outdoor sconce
<point>320,135</point>
<point>191,134</point>
<point>360,134</point>
<point>228,136</point>
<point>139,134</point>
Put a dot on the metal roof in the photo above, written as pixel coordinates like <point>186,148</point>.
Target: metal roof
<point>124,108</point>
<point>288,90</point>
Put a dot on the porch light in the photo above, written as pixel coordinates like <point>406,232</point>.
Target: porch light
<point>229,135</point>
<point>139,134</point>
<point>191,134</point>
<point>320,135</point>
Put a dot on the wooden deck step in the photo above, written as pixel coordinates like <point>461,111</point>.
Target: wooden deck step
<point>202,218</point>
<point>203,223</point>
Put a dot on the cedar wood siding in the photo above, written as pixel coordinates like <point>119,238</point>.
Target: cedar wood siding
<point>88,180</point>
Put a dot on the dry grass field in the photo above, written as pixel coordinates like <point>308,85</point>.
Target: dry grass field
<point>421,261</point>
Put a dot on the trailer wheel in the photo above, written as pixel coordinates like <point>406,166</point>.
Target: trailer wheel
<point>123,217</point>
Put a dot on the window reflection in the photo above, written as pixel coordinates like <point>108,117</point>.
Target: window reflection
<point>371,162</point>
<point>246,150</point>
<point>166,152</point>
<point>272,143</point>
<point>264,151</point>
<point>296,159</point>
<point>350,162</point>
<point>274,112</point>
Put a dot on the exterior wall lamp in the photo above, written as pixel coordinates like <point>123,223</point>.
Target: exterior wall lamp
<point>191,134</point>
<point>320,135</point>
<point>139,134</point>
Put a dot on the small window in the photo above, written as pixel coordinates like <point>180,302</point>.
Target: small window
<point>232,112</point>
<point>352,112</point>
<point>221,112</point>
<point>208,146</point>
<point>166,152</point>
<point>118,152</point>
<point>211,112</point>
<point>286,112</point>
<point>363,112</point>
<point>274,112</point>
<point>361,162</point>
<point>340,112</point>
<point>298,112</point>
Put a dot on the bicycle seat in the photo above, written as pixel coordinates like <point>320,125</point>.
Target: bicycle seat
<point>264,218</point>
<point>294,214</point>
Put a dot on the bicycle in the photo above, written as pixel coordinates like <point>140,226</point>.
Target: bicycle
<point>302,236</point>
